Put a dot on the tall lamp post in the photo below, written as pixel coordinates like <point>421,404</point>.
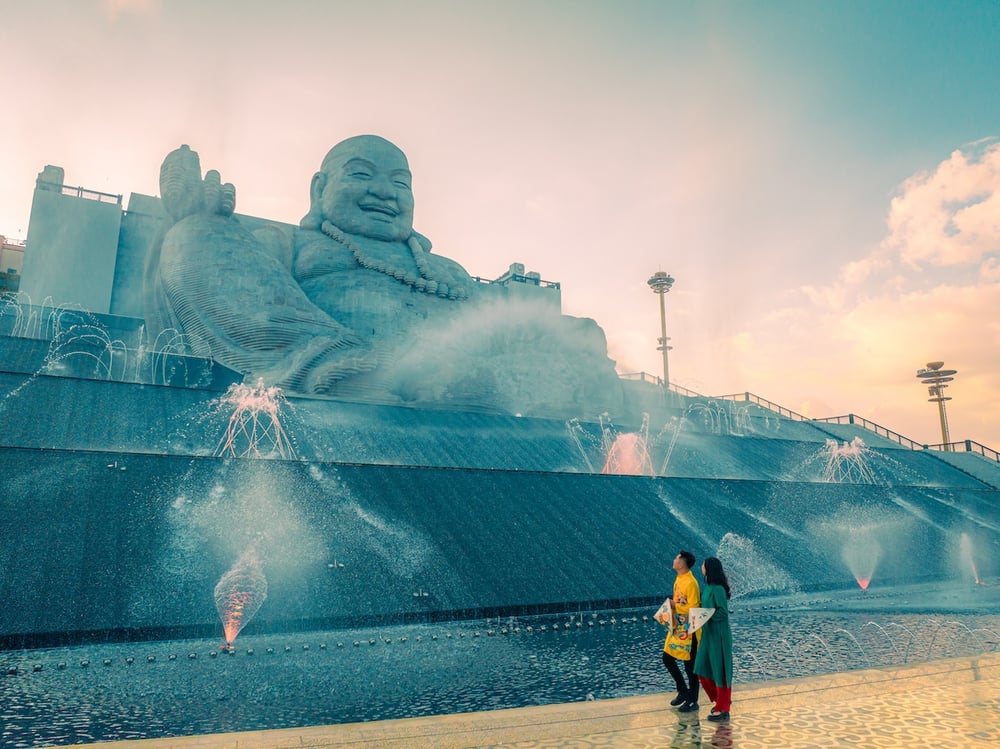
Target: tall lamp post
<point>660,283</point>
<point>935,378</point>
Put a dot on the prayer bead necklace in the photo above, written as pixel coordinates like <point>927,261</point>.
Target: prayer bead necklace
<point>424,282</point>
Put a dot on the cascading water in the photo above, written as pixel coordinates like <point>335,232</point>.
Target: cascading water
<point>674,426</point>
<point>750,571</point>
<point>577,433</point>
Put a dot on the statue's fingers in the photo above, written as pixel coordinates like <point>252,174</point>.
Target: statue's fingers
<point>227,199</point>
<point>212,190</point>
<point>181,186</point>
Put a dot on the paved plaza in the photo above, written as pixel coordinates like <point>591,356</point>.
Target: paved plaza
<point>944,703</point>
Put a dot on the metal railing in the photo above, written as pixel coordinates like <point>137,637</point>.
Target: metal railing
<point>517,278</point>
<point>764,403</point>
<point>81,192</point>
<point>658,381</point>
<point>853,419</point>
<point>967,446</point>
<point>871,426</point>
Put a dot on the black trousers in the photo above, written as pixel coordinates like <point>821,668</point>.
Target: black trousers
<point>686,681</point>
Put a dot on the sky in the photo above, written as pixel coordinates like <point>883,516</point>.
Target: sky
<point>822,179</point>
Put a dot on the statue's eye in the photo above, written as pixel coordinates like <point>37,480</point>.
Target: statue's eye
<point>402,183</point>
<point>361,174</point>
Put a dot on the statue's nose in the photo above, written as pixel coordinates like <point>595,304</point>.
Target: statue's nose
<point>382,187</point>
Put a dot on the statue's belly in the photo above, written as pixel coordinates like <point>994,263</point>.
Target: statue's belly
<point>374,305</point>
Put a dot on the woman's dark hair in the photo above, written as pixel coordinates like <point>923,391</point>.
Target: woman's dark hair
<point>715,575</point>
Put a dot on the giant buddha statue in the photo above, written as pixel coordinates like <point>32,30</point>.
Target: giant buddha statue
<point>353,303</point>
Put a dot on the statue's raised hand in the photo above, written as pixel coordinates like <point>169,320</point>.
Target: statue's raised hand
<point>184,193</point>
<point>220,199</point>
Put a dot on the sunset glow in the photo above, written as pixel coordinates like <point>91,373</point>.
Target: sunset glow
<point>828,201</point>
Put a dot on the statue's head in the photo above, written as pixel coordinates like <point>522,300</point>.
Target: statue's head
<point>363,187</point>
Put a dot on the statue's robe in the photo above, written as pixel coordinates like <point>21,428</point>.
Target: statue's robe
<point>235,302</point>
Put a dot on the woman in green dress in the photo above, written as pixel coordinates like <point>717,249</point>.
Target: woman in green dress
<point>714,662</point>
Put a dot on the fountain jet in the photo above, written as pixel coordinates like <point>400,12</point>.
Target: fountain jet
<point>629,456</point>
<point>254,429</point>
<point>240,593</point>
<point>627,453</point>
<point>965,545</point>
<point>861,554</point>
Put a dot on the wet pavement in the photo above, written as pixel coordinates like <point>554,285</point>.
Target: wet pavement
<point>952,702</point>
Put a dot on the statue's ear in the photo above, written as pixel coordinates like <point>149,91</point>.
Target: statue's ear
<point>314,218</point>
<point>316,187</point>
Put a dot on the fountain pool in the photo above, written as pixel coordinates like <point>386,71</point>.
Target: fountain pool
<point>122,691</point>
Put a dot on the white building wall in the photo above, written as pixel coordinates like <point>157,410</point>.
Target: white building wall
<point>71,248</point>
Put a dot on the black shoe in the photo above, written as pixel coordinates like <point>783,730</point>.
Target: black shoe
<point>678,700</point>
<point>718,716</point>
<point>689,707</point>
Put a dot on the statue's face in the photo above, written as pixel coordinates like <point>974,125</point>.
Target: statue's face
<point>367,189</point>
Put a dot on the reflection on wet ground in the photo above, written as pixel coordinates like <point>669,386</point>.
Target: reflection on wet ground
<point>947,703</point>
<point>129,691</point>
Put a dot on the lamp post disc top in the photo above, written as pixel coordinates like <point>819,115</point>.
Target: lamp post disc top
<point>660,282</point>
<point>937,375</point>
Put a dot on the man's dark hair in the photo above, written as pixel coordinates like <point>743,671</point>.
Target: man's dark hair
<point>688,558</point>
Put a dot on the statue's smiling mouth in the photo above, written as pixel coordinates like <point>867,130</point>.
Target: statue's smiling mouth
<point>371,207</point>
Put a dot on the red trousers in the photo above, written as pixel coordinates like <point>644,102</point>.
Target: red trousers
<point>721,696</point>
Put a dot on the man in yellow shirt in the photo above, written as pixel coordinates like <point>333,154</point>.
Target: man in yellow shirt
<point>681,645</point>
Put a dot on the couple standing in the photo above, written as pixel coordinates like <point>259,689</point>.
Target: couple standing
<point>706,653</point>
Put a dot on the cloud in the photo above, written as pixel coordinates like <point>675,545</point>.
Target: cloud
<point>943,229</point>
<point>951,215</point>
<point>989,272</point>
<point>930,290</point>
<point>857,271</point>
